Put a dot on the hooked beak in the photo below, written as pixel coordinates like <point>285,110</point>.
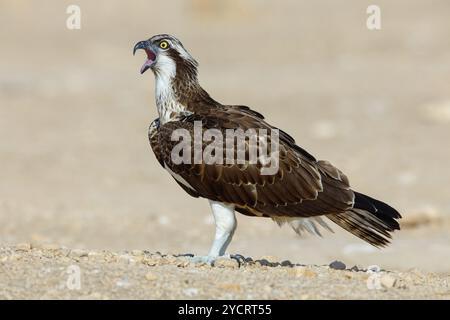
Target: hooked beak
<point>151,55</point>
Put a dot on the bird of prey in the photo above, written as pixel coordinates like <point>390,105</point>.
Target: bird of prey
<point>301,193</point>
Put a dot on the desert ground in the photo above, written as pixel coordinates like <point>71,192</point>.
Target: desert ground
<point>80,186</point>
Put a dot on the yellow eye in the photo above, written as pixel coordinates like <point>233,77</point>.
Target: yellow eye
<point>163,45</point>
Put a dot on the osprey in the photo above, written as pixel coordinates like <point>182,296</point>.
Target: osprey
<point>302,192</point>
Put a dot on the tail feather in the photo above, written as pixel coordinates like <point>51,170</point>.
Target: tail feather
<point>369,219</point>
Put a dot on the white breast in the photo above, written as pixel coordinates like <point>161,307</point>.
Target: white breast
<point>166,101</point>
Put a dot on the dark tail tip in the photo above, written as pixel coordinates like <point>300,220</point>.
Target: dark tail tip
<point>379,209</point>
<point>370,220</point>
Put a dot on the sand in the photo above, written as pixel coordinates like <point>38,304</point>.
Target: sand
<point>53,272</point>
<point>77,170</point>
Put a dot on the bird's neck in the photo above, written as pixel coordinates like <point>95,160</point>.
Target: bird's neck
<point>167,102</point>
<point>179,93</point>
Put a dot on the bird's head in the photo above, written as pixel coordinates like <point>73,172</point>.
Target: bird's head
<point>166,55</point>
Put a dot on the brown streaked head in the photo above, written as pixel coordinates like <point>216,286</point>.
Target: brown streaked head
<point>166,54</point>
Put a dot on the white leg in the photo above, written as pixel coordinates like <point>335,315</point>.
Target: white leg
<point>225,226</point>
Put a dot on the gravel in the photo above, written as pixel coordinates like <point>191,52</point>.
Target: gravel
<point>53,272</point>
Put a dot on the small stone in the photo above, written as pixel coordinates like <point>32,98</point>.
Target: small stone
<point>78,253</point>
<point>50,246</point>
<point>190,292</point>
<point>388,281</point>
<point>23,247</point>
<point>150,276</point>
<point>337,265</point>
<point>303,272</point>
<point>64,251</point>
<point>373,269</point>
<point>170,259</point>
<point>349,274</point>
<point>231,287</point>
<point>93,254</point>
<point>126,258</point>
<point>356,268</point>
<point>270,259</point>
<point>226,263</point>
<point>137,253</point>
<point>286,263</point>
<point>123,283</point>
<point>151,260</point>
<point>263,263</point>
<point>267,288</point>
<point>14,257</point>
<point>183,262</point>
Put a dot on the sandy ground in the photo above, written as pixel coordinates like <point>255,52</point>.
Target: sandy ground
<point>76,168</point>
<point>59,273</point>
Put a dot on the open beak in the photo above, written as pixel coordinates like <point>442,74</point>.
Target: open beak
<point>151,55</point>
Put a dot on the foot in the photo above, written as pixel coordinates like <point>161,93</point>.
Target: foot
<point>209,260</point>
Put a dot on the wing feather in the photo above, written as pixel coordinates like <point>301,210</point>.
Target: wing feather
<point>302,186</point>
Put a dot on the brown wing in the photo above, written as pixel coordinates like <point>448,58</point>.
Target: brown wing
<point>302,186</point>
<point>153,137</point>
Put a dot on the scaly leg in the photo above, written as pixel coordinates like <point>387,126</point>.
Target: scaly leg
<point>225,227</point>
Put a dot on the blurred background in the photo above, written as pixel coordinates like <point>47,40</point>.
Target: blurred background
<point>77,169</point>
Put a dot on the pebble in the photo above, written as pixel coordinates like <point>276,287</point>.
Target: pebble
<point>123,283</point>
<point>64,251</point>
<point>151,260</point>
<point>337,265</point>
<point>388,281</point>
<point>236,287</point>
<point>356,268</point>
<point>14,257</point>
<point>349,274</point>
<point>190,292</point>
<point>270,259</point>
<point>170,260</point>
<point>79,253</point>
<point>23,247</point>
<point>373,269</point>
<point>226,263</point>
<point>183,263</point>
<point>50,246</point>
<point>93,254</point>
<point>150,276</point>
<point>126,258</point>
<point>303,272</point>
<point>286,263</point>
<point>137,253</point>
<point>263,263</point>
<point>267,288</point>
